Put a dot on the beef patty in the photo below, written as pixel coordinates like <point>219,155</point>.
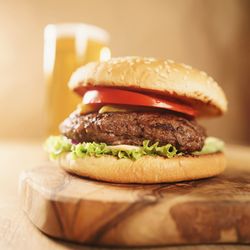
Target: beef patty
<point>133,128</point>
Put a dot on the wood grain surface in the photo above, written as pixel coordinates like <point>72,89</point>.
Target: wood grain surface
<point>17,233</point>
<point>215,210</point>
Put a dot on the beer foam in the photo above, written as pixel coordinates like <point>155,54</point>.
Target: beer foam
<point>78,30</point>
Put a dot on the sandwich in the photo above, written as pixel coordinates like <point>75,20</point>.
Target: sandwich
<point>137,123</point>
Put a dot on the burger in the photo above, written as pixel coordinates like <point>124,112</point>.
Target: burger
<point>137,123</point>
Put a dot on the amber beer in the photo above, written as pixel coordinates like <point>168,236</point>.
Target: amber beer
<point>66,47</point>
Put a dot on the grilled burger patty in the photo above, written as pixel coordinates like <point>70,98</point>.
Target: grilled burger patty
<point>133,128</point>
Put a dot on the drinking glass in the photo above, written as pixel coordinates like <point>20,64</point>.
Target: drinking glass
<point>66,47</point>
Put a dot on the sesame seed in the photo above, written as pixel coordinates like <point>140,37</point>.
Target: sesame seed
<point>149,59</point>
<point>166,65</point>
<point>162,75</point>
<point>203,73</point>
<point>186,66</point>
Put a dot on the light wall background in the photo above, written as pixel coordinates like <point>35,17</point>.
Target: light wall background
<point>211,35</point>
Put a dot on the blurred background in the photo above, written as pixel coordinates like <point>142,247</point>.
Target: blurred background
<point>211,35</point>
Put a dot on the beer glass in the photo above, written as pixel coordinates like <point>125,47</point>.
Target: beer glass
<point>66,47</point>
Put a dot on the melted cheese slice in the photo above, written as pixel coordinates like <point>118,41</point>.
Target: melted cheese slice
<point>113,109</point>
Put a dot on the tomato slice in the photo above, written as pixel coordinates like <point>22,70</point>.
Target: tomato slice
<point>118,96</point>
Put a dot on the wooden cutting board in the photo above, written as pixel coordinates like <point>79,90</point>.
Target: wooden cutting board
<point>215,210</point>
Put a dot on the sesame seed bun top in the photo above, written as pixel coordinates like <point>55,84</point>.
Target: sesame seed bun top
<point>164,77</point>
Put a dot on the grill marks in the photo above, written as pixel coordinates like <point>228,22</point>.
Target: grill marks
<point>133,128</point>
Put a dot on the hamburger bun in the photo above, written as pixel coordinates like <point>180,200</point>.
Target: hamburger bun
<point>164,77</point>
<point>147,169</point>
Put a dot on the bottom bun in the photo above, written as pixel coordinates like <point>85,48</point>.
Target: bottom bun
<point>147,169</point>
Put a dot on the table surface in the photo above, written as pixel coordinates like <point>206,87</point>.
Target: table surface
<point>16,231</point>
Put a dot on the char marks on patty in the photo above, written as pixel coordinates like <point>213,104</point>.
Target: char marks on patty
<point>133,128</point>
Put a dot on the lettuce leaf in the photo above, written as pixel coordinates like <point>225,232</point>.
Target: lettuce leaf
<point>57,145</point>
<point>212,145</point>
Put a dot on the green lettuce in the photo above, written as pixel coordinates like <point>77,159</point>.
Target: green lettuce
<point>212,145</point>
<point>57,145</point>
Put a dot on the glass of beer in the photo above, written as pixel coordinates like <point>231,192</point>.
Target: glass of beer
<point>66,47</point>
